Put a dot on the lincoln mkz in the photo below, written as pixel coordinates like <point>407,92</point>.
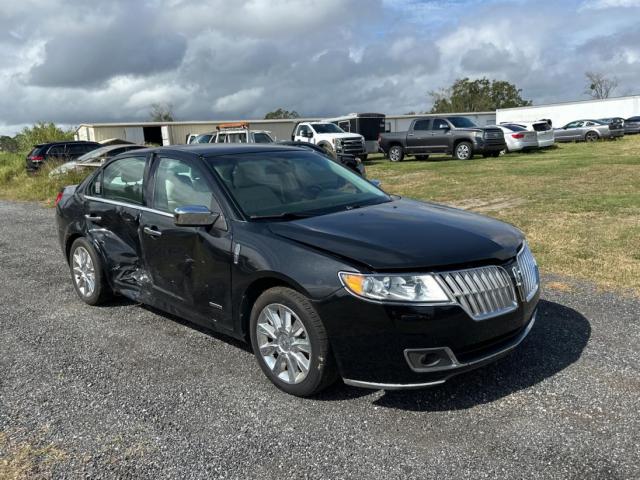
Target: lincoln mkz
<point>323,273</point>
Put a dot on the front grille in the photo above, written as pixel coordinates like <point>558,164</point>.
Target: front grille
<point>527,274</point>
<point>353,146</point>
<point>483,292</point>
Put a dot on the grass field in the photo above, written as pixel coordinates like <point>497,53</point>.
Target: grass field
<point>579,204</point>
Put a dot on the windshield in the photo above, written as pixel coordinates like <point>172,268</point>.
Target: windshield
<point>327,128</point>
<point>97,153</point>
<point>294,183</point>
<point>462,122</point>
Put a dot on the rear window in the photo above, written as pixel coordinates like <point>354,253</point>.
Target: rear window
<point>35,151</point>
<point>541,127</point>
<point>515,128</point>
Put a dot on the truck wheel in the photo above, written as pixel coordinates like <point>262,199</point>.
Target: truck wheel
<point>396,153</point>
<point>329,151</point>
<point>463,151</point>
<point>422,157</point>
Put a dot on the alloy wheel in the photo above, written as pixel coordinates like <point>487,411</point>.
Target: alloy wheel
<point>463,151</point>
<point>394,154</point>
<point>84,274</point>
<point>283,343</point>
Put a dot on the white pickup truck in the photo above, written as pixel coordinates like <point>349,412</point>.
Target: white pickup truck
<point>232,133</point>
<point>330,137</point>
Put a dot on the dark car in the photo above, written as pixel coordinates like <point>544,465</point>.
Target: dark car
<point>350,161</point>
<point>616,126</point>
<point>324,274</point>
<point>57,151</point>
<point>632,125</point>
<point>457,136</point>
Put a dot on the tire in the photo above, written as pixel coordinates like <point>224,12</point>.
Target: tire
<point>591,137</point>
<point>329,150</point>
<point>84,263</point>
<point>463,151</point>
<point>270,342</point>
<point>422,157</point>
<point>396,153</point>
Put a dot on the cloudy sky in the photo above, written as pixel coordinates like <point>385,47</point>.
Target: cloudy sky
<point>75,61</point>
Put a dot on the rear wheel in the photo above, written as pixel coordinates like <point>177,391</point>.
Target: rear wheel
<point>87,273</point>
<point>591,137</point>
<point>290,342</point>
<point>463,151</point>
<point>396,153</point>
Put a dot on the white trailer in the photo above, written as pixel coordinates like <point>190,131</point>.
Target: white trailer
<point>562,113</point>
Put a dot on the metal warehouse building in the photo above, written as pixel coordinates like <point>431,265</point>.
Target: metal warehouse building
<point>562,113</point>
<point>172,133</point>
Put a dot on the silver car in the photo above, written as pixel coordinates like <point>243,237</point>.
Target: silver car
<point>582,130</point>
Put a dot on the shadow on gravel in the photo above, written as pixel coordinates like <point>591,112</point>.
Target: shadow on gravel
<point>555,342</point>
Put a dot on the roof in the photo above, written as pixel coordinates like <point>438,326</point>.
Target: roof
<point>217,149</point>
<point>64,142</point>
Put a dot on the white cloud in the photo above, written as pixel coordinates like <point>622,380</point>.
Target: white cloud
<point>240,100</point>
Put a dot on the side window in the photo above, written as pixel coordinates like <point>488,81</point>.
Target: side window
<point>56,150</point>
<point>262,138</point>
<point>122,180</point>
<point>177,184</point>
<point>421,125</point>
<point>79,149</point>
<point>440,124</point>
<point>221,138</point>
<point>304,129</point>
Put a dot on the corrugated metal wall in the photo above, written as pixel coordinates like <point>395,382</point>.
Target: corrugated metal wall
<point>563,113</point>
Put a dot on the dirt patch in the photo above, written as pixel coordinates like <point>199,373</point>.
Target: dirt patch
<point>493,205</point>
<point>27,459</point>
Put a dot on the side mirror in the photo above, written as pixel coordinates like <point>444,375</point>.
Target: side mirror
<point>194,216</point>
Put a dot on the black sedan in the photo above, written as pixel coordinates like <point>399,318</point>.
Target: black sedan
<point>323,273</point>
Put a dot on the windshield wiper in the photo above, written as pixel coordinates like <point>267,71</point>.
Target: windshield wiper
<point>281,216</point>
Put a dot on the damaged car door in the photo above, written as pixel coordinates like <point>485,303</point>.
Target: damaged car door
<point>189,266</point>
<point>112,213</point>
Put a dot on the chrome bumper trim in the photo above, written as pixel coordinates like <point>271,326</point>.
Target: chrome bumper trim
<point>452,369</point>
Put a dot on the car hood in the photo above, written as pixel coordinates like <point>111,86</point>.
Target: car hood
<point>406,234</point>
<point>341,135</point>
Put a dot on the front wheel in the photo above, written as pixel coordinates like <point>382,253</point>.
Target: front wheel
<point>290,342</point>
<point>396,153</point>
<point>463,151</point>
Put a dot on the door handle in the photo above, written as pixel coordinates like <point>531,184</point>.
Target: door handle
<point>151,231</point>
<point>92,217</point>
<point>409,134</point>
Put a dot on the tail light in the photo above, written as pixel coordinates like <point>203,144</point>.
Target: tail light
<point>36,158</point>
<point>517,135</point>
<point>58,198</point>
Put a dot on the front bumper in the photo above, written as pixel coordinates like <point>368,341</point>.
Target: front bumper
<point>379,345</point>
<point>488,146</point>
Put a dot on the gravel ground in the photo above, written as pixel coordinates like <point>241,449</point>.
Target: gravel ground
<point>124,391</point>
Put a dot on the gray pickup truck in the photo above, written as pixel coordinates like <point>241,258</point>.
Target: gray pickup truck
<point>457,136</point>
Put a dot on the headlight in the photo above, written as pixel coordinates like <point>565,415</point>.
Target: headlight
<point>479,134</point>
<point>337,141</point>
<point>394,288</point>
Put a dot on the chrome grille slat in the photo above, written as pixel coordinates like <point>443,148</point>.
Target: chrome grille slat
<point>530,277</point>
<point>482,292</point>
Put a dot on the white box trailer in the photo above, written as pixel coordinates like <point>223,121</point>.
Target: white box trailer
<point>562,113</point>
